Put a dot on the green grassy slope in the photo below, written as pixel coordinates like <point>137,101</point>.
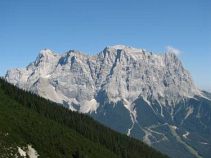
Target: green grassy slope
<point>57,132</point>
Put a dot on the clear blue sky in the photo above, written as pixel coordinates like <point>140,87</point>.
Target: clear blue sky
<point>27,26</point>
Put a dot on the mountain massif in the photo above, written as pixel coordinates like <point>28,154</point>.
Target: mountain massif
<point>148,96</point>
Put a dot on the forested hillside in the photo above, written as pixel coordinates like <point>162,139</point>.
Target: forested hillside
<point>27,119</point>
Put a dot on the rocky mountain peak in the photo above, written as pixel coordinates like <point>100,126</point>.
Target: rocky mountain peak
<point>122,72</point>
<point>45,56</point>
<point>123,48</point>
<point>46,53</point>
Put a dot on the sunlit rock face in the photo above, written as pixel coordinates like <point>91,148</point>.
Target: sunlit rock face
<point>142,94</point>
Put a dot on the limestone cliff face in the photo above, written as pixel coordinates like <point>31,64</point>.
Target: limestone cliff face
<point>124,73</point>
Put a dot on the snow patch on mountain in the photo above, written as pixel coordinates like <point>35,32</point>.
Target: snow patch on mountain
<point>186,135</point>
<point>189,112</point>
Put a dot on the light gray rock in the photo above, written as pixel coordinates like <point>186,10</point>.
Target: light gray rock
<point>125,73</point>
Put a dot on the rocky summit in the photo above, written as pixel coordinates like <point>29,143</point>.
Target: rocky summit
<point>146,95</point>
